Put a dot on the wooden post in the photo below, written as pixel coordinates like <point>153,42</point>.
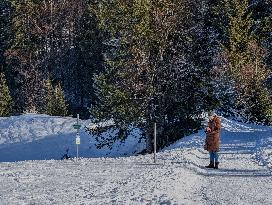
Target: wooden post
<point>155,141</point>
<point>77,133</point>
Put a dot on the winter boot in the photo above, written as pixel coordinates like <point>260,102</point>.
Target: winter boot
<point>216,165</point>
<point>211,165</point>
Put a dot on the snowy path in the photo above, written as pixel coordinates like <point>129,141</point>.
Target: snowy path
<point>135,180</point>
<point>244,177</point>
<point>180,177</point>
<point>97,181</point>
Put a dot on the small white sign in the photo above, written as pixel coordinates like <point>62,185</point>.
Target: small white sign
<point>77,140</point>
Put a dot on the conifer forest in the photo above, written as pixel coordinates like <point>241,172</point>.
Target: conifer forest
<point>136,62</point>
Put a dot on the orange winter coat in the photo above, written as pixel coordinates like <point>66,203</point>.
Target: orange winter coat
<point>213,137</point>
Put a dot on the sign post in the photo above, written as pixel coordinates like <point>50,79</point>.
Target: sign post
<point>155,141</point>
<point>77,127</point>
<point>77,143</point>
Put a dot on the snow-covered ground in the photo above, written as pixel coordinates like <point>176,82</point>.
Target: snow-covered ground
<point>179,177</point>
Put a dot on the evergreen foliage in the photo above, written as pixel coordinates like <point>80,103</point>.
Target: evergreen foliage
<point>5,31</point>
<point>58,39</point>
<point>138,62</point>
<point>56,104</point>
<point>153,74</point>
<point>5,98</point>
<point>242,59</point>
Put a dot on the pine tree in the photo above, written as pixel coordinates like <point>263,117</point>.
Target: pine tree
<point>242,59</point>
<point>50,98</point>
<point>260,105</point>
<point>261,13</point>
<point>56,104</point>
<point>5,31</point>
<point>58,39</point>
<point>152,72</point>
<point>25,57</point>
<point>5,98</point>
<point>84,59</point>
<point>61,107</point>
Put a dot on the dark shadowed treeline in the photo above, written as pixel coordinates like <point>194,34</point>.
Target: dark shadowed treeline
<point>49,39</point>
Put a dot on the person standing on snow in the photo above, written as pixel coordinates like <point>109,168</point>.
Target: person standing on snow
<point>212,139</point>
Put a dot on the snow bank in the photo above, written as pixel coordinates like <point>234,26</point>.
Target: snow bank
<point>39,137</point>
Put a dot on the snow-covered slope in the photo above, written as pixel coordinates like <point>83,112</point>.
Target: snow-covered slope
<point>179,177</point>
<point>236,138</point>
<point>39,137</point>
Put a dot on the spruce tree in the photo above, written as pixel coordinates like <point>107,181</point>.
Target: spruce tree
<point>260,105</point>
<point>152,72</point>
<point>5,98</point>
<point>61,107</point>
<point>52,38</point>
<point>242,57</point>
<point>5,31</point>
<point>56,105</point>
<point>50,98</point>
